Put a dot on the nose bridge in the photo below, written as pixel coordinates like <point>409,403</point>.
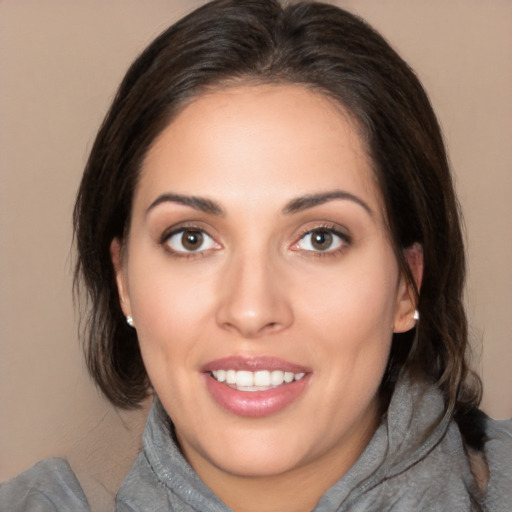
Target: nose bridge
<point>252,298</point>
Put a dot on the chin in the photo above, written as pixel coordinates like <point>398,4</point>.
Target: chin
<point>265,465</point>
<point>250,452</point>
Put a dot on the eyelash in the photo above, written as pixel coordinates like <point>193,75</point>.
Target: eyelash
<point>168,235</point>
<point>344,240</point>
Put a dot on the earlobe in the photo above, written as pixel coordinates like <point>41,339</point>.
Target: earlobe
<point>406,314</point>
<point>117,263</point>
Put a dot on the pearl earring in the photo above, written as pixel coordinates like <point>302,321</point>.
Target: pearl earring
<point>416,315</point>
<point>129,321</point>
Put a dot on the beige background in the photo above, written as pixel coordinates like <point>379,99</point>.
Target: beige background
<point>60,63</point>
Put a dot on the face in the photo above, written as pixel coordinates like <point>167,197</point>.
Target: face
<point>262,283</point>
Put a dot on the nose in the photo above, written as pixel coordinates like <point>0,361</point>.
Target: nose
<point>253,299</point>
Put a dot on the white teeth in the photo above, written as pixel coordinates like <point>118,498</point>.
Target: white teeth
<point>277,378</point>
<point>260,380</point>
<point>244,379</point>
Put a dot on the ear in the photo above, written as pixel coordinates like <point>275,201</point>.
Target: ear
<point>406,297</point>
<point>116,255</point>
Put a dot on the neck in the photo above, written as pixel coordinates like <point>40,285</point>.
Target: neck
<point>297,490</point>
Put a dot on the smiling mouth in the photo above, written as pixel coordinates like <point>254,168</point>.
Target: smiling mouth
<point>261,380</point>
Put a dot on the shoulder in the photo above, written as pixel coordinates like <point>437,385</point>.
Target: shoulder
<point>49,486</point>
<point>498,453</point>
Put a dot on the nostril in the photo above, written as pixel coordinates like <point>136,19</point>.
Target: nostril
<point>253,308</point>
<point>271,326</point>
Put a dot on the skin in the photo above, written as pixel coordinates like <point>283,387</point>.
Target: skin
<point>260,288</point>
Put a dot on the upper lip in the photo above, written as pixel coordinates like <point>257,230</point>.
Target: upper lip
<point>253,364</point>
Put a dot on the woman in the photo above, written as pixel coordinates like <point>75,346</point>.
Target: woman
<point>269,238</point>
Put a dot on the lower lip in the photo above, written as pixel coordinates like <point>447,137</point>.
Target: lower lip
<point>255,404</point>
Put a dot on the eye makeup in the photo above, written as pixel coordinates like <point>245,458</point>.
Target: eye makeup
<point>322,240</point>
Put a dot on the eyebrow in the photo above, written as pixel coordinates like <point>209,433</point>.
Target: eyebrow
<point>197,203</point>
<point>309,201</point>
<point>294,206</point>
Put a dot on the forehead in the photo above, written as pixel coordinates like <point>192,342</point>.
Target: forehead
<point>250,141</point>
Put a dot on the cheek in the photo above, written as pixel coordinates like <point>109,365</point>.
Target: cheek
<point>166,297</point>
<point>351,315</point>
<point>362,297</point>
<point>172,310</point>
<point>170,318</point>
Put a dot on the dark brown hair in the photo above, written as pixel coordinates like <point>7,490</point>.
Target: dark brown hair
<point>335,53</point>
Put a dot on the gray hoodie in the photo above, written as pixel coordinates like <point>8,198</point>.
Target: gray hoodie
<point>416,461</point>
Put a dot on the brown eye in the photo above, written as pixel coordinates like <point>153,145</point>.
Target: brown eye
<point>190,240</point>
<point>322,240</point>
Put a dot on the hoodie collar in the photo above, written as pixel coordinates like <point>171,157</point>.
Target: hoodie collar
<point>414,424</point>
